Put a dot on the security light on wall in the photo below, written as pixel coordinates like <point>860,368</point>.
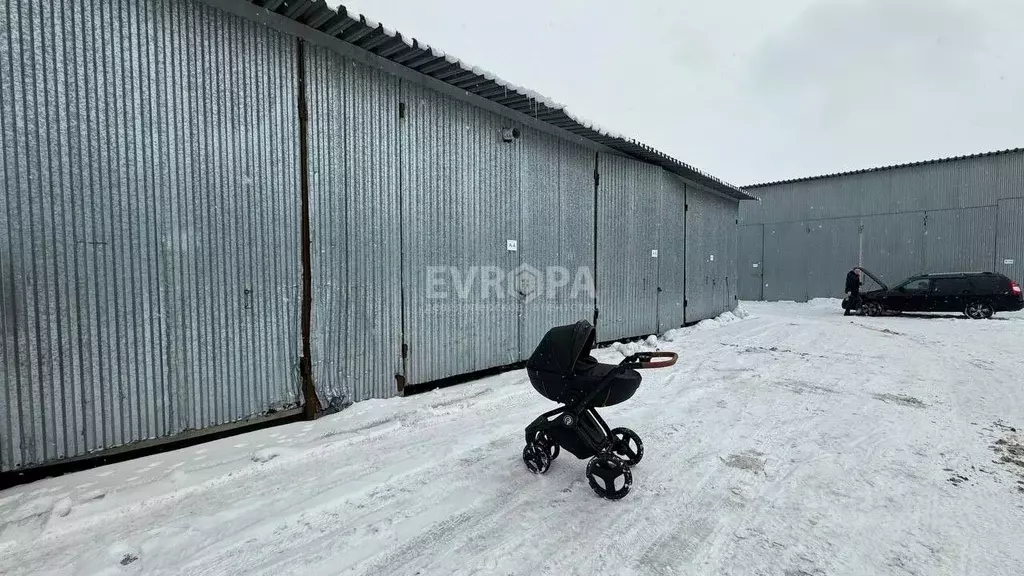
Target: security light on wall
<point>510,134</point>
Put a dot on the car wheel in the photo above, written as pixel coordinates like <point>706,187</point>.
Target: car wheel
<point>979,310</point>
<point>872,309</point>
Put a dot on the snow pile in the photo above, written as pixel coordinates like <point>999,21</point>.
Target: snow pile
<point>714,323</point>
<point>652,343</point>
<point>673,334</point>
<point>825,302</point>
<point>709,324</point>
<point>630,348</point>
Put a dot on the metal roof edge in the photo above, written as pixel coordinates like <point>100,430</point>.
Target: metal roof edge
<point>885,168</point>
<point>373,37</point>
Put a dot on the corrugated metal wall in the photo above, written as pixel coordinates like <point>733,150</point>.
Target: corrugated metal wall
<point>785,255</point>
<point>461,205</point>
<point>355,226</point>
<point>150,269</point>
<point>555,283</point>
<point>966,183</point>
<point>806,260</point>
<point>150,251</point>
<point>699,267</point>
<point>959,240</point>
<point>749,264</point>
<point>711,254</point>
<point>1010,241</point>
<point>730,230</point>
<point>916,219</point>
<point>893,245</point>
<point>832,251</point>
<point>671,252</point>
<point>627,232</point>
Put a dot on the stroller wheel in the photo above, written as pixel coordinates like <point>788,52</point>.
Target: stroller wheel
<point>609,476</point>
<point>627,445</point>
<point>536,459</point>
<point>543,439</point>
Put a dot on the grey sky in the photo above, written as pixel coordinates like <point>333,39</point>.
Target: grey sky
<point>752,90</point>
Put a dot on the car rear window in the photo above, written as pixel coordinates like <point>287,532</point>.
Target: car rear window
<point>989,284</point>
<point>952,286</point>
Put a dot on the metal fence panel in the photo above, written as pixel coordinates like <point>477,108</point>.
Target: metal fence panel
<point>555,280</point>
<point>355,224</point>
<point>750,263</point>
<point>832,251</point>
<point>150,251</point>
<point>460,207</point>
<point>671,253</point>
<point>960,240</point>
<point>785,255</point>
<point>893,246</point>
<point>627,232</point>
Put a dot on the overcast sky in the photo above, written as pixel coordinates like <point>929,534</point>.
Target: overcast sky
<point>750,90</point>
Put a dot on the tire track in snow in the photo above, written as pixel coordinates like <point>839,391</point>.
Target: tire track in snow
<point>435,470</point>
<point>631,529</point>
<point>402,555</point>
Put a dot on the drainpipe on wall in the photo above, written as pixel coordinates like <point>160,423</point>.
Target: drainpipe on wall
<point>860,244</point>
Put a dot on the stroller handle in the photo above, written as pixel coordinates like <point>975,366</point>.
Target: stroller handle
<point>645,360</point>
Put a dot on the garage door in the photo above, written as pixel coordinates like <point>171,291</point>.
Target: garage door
<point>1010,241</point>
<point>750,264</point>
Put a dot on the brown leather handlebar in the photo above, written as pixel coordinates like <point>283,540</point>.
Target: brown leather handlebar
<point>671,360</point>
<point>645,360</point>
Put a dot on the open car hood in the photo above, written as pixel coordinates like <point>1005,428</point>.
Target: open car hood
<point>873,277</point>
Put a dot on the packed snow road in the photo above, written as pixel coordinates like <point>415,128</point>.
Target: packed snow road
<point>793,442</point>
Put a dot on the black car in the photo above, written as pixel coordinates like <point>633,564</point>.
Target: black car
<point>979,295</point>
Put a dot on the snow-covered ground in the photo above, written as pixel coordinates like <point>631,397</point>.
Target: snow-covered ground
<point>792,442</point>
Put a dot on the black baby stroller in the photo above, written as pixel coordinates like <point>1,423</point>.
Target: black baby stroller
<point>562,369</point>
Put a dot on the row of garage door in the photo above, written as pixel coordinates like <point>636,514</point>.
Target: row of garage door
<point>444,200</point>
<point>803,260</point>
<point>153,278</point>
<point>664,259</point>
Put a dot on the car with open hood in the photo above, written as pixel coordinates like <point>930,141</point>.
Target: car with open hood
<point>978,295</point>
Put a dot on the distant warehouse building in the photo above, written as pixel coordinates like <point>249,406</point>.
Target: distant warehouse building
<point>958,214</point>
<point>217,212</point>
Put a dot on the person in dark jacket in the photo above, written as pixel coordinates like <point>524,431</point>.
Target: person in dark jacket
<point>852,291</point>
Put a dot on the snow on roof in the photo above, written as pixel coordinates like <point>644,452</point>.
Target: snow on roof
<point>337,18</point>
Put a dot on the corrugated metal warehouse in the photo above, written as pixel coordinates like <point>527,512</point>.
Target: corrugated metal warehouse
<point>957,214</point>
<point>219,212</point>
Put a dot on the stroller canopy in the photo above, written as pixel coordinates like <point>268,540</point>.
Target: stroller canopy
<point>562,347</point>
